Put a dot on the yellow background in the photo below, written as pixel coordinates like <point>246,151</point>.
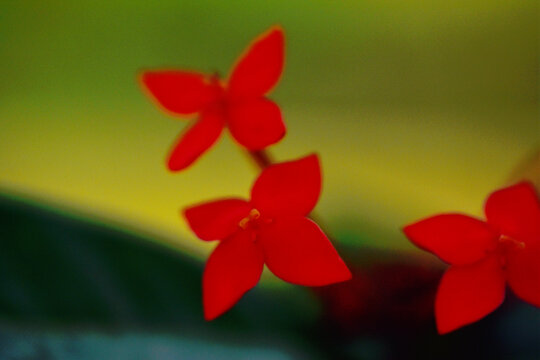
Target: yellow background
<point>414,107</point>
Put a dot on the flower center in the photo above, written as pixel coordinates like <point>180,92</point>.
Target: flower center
<point>254,221</point>
<point>507,243</point>
<point>216,80</point>
<point>253,215</point>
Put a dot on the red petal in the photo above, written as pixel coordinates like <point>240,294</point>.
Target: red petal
<point>259,69</point>
<point>468,293</point>
<point>297,251</point>
<point>180,92</point>
<point>523,272</point>
<point>289,188</point>
<point>217,219</point>
<point>515,210</point>
<point>455,238</point>
<point>256,123</point>
<point>234,267</point>
<point>196,140</point>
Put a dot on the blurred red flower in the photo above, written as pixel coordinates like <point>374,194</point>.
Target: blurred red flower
<point>484,256</point>
<point>254,121</point>
<point>272,229</point>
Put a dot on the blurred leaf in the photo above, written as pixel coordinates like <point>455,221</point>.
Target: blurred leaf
<point>59,271</point>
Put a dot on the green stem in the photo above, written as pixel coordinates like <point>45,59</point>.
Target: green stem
<point>261,158</point>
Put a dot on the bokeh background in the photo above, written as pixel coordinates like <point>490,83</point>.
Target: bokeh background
<point>414,108</point>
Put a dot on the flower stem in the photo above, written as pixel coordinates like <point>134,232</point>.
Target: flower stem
<point>261,158</point>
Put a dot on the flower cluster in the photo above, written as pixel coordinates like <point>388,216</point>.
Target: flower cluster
<point>484,255</point>
<point>254,121</point>
<point>271,228</point>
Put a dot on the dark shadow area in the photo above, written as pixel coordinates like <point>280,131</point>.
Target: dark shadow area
<point>71,289</point>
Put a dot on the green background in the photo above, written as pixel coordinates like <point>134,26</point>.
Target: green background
<point>414,107</point>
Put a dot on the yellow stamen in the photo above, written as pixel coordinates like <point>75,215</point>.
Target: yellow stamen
<point>243,223</point>
<point>254,214</point>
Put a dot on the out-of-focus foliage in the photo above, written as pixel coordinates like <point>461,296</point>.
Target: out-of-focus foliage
<point>70,289</point>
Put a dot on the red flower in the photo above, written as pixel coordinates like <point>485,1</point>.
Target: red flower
<point>254,121</point>
<point>484,255</point>
<point>272,229</point>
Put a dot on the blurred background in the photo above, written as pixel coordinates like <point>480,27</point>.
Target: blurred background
<point>414,108</point>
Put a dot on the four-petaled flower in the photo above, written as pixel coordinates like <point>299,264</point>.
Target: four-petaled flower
<point>272,229</point>
<point>484,256</point>
<point>253,120</point>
